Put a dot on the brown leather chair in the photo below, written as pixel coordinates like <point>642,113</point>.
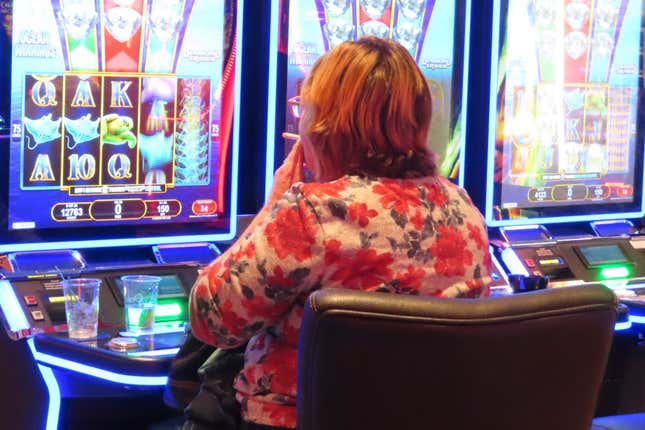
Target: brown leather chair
<point>376,361</point>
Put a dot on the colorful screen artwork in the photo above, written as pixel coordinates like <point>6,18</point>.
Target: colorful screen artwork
<point>121,112</point>
<point>433,32</point>
<point>568,141</point>
<point>5,63</point>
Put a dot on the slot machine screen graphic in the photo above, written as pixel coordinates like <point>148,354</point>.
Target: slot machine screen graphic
<point>5,64</point>
<point>432,31</point>
<point>568,140</point>
<point>121,115</point>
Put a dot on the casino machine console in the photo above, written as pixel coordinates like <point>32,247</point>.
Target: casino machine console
<point>119,137</point>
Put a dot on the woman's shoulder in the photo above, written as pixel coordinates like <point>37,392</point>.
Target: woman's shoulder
<point>332,189</point>
<point>356,188</point>
<point>354,184</point>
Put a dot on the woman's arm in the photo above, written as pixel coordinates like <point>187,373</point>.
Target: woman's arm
<point>254,284</point>
<point>289,173</point>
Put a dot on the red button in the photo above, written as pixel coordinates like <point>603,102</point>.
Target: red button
<point>30,300</point>
<point>529,262</point>
<point>204,207</point>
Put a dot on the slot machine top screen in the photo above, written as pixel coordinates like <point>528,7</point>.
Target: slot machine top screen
<point>5,64</point>
<point>121,123</point>
<point>566,137</point>
<point>433,31</point>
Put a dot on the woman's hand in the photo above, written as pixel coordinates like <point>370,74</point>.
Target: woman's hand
<point>288,174</point>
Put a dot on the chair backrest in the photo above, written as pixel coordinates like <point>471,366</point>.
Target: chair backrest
<point>376,361</point>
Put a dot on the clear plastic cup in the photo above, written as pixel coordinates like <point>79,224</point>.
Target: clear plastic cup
<point>140,299</point>
<point>82,307</point>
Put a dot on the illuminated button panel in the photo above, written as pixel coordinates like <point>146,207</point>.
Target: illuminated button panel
<point>542,257</point>
<point>543,261</point>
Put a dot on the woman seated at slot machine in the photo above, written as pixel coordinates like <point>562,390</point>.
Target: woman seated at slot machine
<point>375,218</point>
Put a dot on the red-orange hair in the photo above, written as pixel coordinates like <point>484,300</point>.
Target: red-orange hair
<point>372,110</point>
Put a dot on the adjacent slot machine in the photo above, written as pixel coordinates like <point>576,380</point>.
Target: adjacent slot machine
<point>119,131</point>
<point>555,155</point>
<point>302,31</point>
<point>5,65</point>
<point>564,174</point>
<point>121,158</point>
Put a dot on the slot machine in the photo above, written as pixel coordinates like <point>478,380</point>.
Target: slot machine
<point>5,66</point>
<point>437,35</point>
<point>560,138</point>
<point>564,170</point>
<point>302,31</point>
<point>121,158</point>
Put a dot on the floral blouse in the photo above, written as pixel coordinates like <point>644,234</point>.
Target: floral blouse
<point>404,236</point>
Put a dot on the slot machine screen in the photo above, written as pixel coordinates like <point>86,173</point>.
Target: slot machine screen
<point>121,123</point>
<point>435,32</point>
<point>5,64</point>
<point>566,138</point>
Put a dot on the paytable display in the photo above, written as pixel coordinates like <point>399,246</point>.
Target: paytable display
<point>116,112</point>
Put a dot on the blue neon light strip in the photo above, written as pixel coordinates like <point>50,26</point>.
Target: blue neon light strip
<point>96,372</point>
<point>492,109</point>
<point>552,220</point>
<point>513,262</point>
<point>11,308</point>
<point>496,264</point>
<point>236,120</point>
<point>626,325</point>
<point>529,226</point>
<point>272,100</point>
<point>105,243</point>
<point>155,353</point>
<point>636,319</point>
<point>464,97</point>
<point>53,409</point>
<point>158,329</point>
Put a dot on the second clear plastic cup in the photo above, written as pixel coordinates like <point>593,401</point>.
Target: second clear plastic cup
<point>82,307</point>
<point>140,299</point>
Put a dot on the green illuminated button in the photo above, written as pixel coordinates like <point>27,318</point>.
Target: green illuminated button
<point>614,272</point>
<point>168,310</point>
<point>171,310</point>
